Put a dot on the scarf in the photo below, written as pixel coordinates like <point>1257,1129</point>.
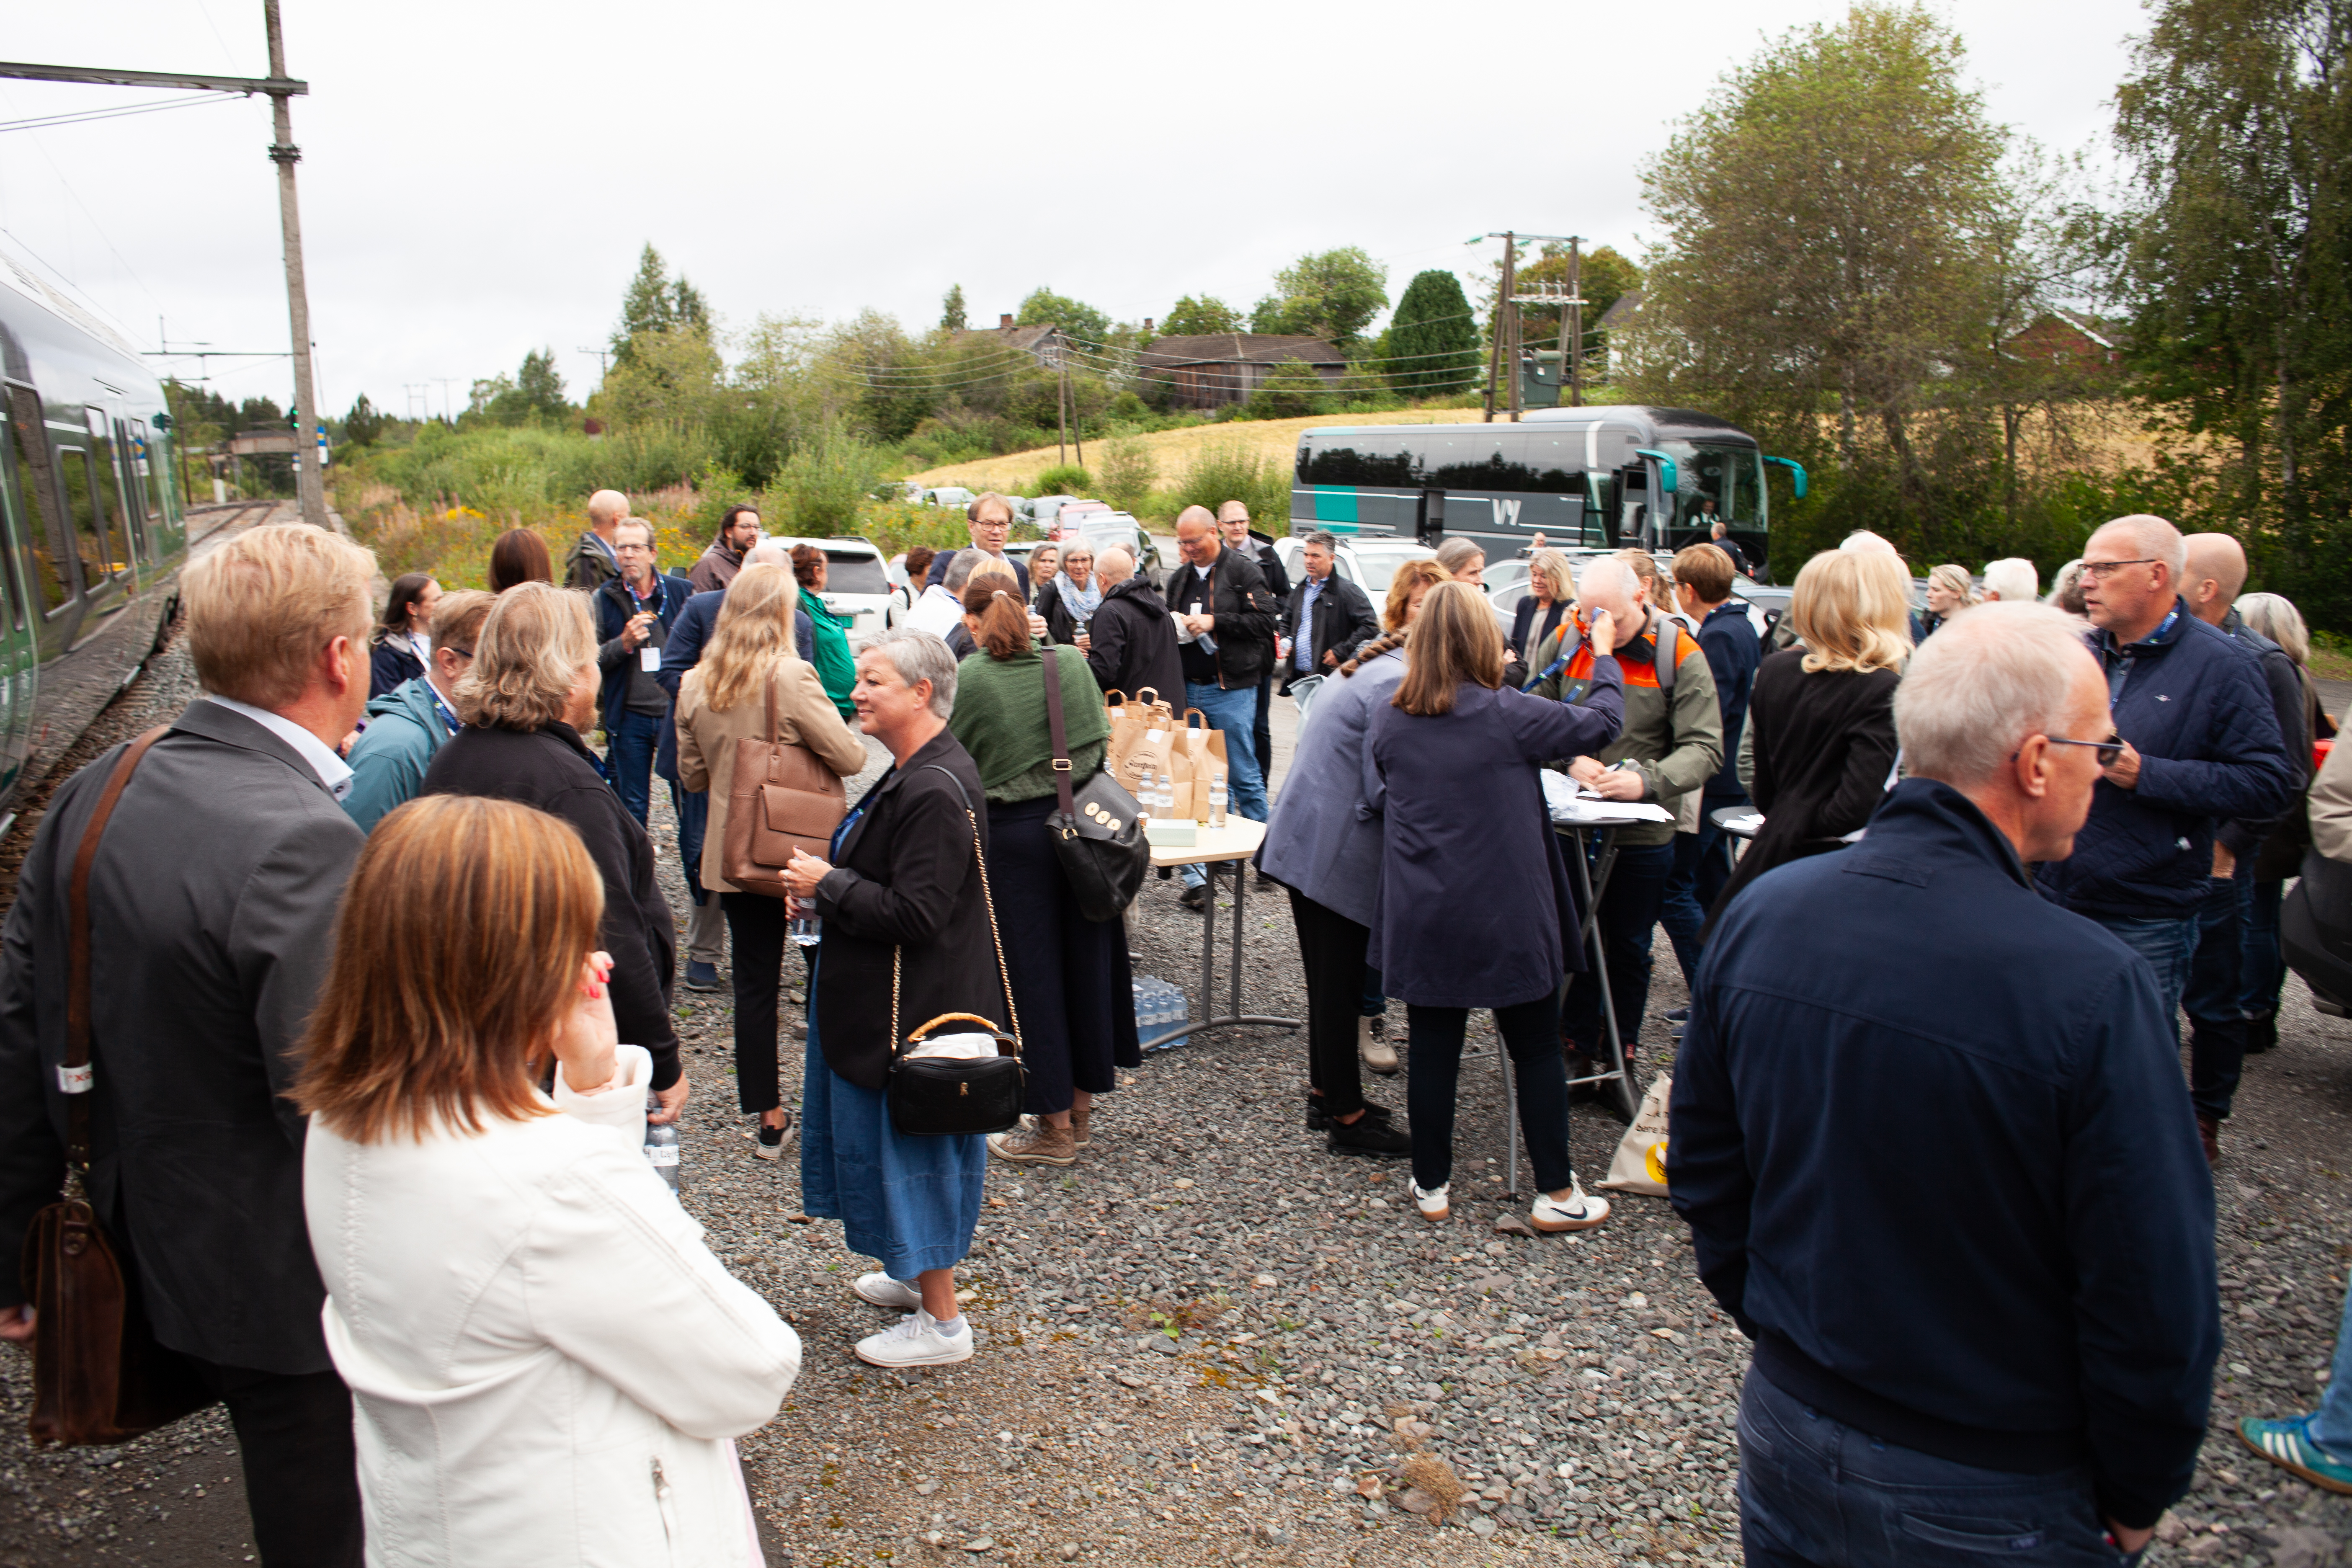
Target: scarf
<point>1082,602</point>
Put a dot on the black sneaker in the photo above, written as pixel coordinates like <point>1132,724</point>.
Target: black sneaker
<point>1378,1140</point>
<point>1195,897</point>
<point>1678,1015</point>
<point>768,1142</point>
<point>1319,1121</point>
<point>2261,1033</point>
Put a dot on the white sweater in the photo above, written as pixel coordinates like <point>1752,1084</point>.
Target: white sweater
<point>547,1363</point>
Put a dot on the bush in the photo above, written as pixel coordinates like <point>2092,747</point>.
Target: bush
<point>1064,480</point>
<point>1296,388</point>
<point>826,483</point>
<point>1129,473</point>
<point>1219,474</point>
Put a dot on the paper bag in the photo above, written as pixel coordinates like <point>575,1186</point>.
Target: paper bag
<point>1640,1165</point>
<point>1206,748</point>
<point>1183,768</point>
<point>1129,722</point>
<point>1148,754</point>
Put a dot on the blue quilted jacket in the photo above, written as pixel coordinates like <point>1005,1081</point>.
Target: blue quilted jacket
<point>2193,703</point>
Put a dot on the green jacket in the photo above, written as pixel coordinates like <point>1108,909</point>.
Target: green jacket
<point>388,761</point>
<point>1000,718</point>
<point>836,670</point>
<point>1677,749</point>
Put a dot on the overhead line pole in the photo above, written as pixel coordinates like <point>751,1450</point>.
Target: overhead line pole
<point>310,474</point>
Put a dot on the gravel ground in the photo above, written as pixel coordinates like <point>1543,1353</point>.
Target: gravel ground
<point>1212,1341</point>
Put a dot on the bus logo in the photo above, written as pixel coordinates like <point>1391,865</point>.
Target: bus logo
<point>1506,513</point>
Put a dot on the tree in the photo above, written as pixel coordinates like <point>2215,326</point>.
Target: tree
<point>1044,308</point>
<point>1605,276</point>
<point>2235,263</point>
<point>1332,295</point>
<point>1128,472</point>
<point>1292,389</point>
<point>364,424</point>
<point>952,314</point>
<point>1196,318</point>
<point>1432,344</point>
<point>539,387</point>
<point>656,302</point>
<point>1832,216</point>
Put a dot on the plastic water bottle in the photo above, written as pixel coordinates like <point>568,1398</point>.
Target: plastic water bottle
<point>806,931</point>
<point>663,1150</point>
<point>1217,804</point>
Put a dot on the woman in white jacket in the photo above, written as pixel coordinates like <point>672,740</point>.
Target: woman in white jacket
<point>548,1364</point>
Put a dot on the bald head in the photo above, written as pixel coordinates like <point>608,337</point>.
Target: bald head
<point>1114,566</point>
<point>2214,573</point>
<point>1862,542</point>
<point>606,511</point>
<point>1609,583</point>
<point>2141,534</point>
<point>1196,535</point>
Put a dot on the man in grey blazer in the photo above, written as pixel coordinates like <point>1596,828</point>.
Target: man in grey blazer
<point>212,906</point>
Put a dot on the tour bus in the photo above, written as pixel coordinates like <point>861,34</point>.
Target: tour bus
<point>1592,478</point>
<point>92,530</point>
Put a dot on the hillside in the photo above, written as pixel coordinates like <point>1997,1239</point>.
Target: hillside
<point>1275,439</point>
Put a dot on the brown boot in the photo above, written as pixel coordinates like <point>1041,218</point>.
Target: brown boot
<point>1039,1142</point>
<point>2209,1133</point>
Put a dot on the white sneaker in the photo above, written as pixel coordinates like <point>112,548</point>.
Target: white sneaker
<point>1581,1212</point>
<point>884,1291</point>
<point>1434,1206</point>
<point>916,1342</point>
<point>1378,1054</point>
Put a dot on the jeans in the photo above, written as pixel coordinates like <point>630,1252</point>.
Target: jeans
<point>2331,1428</point>
<point>1332,952</point>
<point>757,924</point>
<point>2261,963</point>
<point>1235,714</point>
<point>2217,1023</point>
<point>1702,867</point>
<point>1816,1493</point>
<point>2168,945</point>
<point>1375,1004</point>
<point>1629,914</point>
<point>629,760</point>
<point>1530,1032</point>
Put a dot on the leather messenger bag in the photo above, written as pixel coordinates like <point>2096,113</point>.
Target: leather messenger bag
<point>781,797</point>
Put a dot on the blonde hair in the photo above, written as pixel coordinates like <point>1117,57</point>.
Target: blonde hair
<point>417,1025</point>
<point>1457,553</point>
<point>532,647</point>
<point>1453,641</point>
<point>753,631</point>
<point>1954,579</point>
<point>263,604</point>
<point>1410,576</point>
<point>1551,564</point>
<point>1852,609</point>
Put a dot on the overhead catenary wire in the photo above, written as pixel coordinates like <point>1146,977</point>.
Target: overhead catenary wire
<point>40,121</point>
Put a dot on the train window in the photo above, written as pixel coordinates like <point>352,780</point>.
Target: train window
<point>147,472</point>
<point>82,514</point>
<point>113,517</point>
<point>29,465</point>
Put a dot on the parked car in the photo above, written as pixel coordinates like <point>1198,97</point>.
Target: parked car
<point>955,496</point>
<point>857,583</point>
<point>1042,510</point>
<point>1368,562</point>
<point>1105,527</point>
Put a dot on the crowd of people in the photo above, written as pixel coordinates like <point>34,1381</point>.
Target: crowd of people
<point>387,1202</point>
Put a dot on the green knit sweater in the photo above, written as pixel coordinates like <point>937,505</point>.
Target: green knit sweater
<point>1000,718</point>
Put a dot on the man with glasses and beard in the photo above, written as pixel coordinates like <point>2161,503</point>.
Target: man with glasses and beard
<point>2199,745</point>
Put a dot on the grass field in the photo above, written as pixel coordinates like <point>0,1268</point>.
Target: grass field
<point>1275,439</point>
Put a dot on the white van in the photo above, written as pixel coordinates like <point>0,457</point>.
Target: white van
<point>857,583</point>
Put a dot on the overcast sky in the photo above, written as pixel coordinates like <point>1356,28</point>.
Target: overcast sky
<point>478,178</point>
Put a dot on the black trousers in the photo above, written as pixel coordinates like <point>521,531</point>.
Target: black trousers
<point>1261,732</point>
<point>1331,952</point>
<point>301,1470</point>
<point>757,926</point>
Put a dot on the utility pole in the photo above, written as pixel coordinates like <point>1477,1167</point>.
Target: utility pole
<point>1504,311</point>
<point>309,475</point>
<point>1062,408</point>
<point>1077,424</point>
<point>602,355</point>
<point>1574,367</point>
<point>449,408</point>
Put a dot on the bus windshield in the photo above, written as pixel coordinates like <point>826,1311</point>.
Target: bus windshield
<point>1725,482</point>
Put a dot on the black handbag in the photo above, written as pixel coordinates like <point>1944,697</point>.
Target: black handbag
<point>1096,829</point>
<point>932,1097</point>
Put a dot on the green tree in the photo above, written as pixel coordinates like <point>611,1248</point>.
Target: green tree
<point>1292,389</point>
<point>1606,275</point>
<point>364,424</point>
<point>1044,308</point>
<point>1127,473</point>
<point>656,302</point>
<point>1196,318</point>
<point>2236,267</point>
<point>951,311</point>
<point>1432,344</point>
<point>539,386</point>
<point>1332,295</point>
<point>1833,218</point>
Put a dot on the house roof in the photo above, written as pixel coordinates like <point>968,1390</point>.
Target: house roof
<point>1030,339</point>
<point>1620,310</point>
<point>2090,326</point>
<point>1241,348</point>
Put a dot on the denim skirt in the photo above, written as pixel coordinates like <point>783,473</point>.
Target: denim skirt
<point>912,1203</point>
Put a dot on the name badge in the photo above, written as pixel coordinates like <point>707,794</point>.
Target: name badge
<point>649,658</point>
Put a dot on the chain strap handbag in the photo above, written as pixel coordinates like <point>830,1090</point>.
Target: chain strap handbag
<point>1097,828</point>
<point>99,1376</point>
<point>932,1097</point>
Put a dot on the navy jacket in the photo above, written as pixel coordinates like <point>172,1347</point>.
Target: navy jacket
<point>2245,835</point>
<point>614,604</point>
<point>2194,706</point>
<point>683,651</point>
<point>390,664</point>
<point>1974,1220</point>
<point>1729,639</point>
<point>938,576</point>
<point>1473,908</point>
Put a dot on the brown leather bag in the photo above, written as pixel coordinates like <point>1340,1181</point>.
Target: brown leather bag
<point>781,797</point>
<point>99,1376</point>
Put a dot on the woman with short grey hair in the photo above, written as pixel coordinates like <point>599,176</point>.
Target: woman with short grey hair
<point>2263,965</point>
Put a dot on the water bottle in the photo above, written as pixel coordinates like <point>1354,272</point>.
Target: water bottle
<point>806,931</point>
<point>1217,804</point>
<point>663,1150</point>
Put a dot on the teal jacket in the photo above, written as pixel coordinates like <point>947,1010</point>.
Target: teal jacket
<point>404,729</point>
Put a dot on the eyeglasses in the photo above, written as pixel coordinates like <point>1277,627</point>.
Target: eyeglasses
<point>2106,751</point>
<point>2095,570</point>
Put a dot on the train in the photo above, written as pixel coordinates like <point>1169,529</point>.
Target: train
<point>93,531</point>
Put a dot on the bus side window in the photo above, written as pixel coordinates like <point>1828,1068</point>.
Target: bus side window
<point>29,474</point>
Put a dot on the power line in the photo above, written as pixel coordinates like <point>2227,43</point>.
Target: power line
<point>40,121</point>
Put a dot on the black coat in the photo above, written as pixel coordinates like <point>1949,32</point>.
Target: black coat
<point>906,880</point>
<point>1824,745</point>
<point>211,912</point>
<point>390,664</point>
<point>1344,622</point>
<point>1134,644</point>
<point>1527,633</point>
<point>1277,581</point>
<point>550,769</point>
<point>1060,624</point>
<point>1244,608</point>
